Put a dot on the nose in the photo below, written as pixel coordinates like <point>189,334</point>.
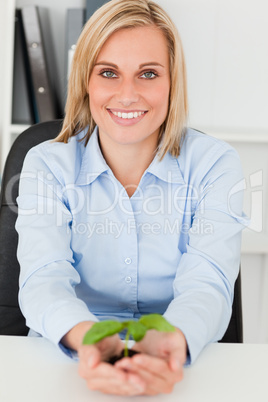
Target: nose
<point>127,93</point>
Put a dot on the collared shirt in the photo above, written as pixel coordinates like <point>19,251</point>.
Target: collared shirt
<point>89,252</point>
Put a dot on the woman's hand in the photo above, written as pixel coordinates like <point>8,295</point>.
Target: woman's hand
<point>157,368</point>
<point>160,364</point>
<point>171,346</point>
<point>103,376</point>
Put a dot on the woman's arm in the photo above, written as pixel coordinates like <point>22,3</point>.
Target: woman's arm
<point>48,278</point>
<point>204,282</point>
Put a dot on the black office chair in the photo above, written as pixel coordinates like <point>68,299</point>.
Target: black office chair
<point>11,320</point>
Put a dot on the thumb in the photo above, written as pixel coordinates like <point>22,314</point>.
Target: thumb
<point>176,360</point>
<point>89,356</point>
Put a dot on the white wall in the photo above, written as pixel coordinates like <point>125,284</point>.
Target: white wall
<point>225,43</point>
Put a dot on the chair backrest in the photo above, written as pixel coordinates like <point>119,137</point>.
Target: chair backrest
<point>11,320</point>
<point>234,332</point>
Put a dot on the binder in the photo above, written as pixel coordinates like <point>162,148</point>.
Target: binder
<point>92,6</point>
<point>75,21</point>
<point>22,102</point>
<point>50,55</point>
<point>41,87</point>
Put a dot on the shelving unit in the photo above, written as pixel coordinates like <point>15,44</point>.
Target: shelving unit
<point>7,9</point>
<point>9,131</point>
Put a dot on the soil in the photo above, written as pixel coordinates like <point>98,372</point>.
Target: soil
<point>114,359</point>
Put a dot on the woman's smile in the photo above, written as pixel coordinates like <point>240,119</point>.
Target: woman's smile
<point>126,118</point>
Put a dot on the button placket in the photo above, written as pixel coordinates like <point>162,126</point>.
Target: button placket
<point>128,261</point>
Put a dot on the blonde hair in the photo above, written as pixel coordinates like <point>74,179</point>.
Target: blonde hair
<point>111,17</point>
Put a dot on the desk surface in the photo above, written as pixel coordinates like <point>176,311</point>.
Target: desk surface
<point>34,370</point>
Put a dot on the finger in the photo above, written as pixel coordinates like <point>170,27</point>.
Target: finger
<point>108,378</point>
<point>176,362</point>
<point>116,387</point>
<point>159,367</point>
<point>90,365</point>
<point>163,344</point>
<point>153,364</point>
<point>154,383</point>
<point>89,357</point>
<point>110,346</point>
<point>104,377</point>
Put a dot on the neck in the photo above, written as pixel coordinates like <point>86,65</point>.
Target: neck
<point>128,162</point>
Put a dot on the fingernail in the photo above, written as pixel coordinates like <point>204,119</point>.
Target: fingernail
<point>127,366</point>
<point>138,387</point>
<point>177,364</point>
<point>138,360</point>
<point>90,361</point>
<point>123,366</point>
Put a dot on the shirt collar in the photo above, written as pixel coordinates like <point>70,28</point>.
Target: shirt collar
<point>93,162</point>
<point>167,169</point>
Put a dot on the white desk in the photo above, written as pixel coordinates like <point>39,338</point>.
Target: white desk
<point>34,370</point>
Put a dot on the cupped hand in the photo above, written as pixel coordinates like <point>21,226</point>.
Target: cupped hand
<point>155,372</point>
<point>101,375</point>
<point>160,362</point>
<point>171,346</point>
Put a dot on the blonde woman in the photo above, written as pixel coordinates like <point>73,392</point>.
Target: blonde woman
<point>128,212</point>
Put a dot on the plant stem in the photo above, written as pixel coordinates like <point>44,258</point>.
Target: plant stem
<point>126,344</point>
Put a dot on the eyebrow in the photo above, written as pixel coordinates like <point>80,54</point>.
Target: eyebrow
<point>106,63</point>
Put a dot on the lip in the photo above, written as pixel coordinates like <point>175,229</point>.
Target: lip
<point>126,122</point>
<point>127,110</point>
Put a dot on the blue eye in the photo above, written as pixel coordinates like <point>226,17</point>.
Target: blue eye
<point>149,75</point>
<point>108,74</point>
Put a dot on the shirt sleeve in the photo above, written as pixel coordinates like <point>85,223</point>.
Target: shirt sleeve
<point>204,283</point>
<point>48,278</point>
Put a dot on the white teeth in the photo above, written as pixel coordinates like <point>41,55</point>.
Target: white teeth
<point>130,115</point>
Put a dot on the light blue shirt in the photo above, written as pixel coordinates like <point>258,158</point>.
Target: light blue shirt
<point>89,252</point>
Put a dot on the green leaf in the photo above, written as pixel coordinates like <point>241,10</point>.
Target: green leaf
<point>101,330</point>
<point>156,321</point>
<point>137,330</point>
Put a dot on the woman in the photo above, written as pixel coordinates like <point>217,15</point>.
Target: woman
<point>128,212</point>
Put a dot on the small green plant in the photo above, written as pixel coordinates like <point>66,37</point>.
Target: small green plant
<point>137,329</point>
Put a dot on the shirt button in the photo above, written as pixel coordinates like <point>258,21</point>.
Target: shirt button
<point>128,260</point>
<point>128,279</point>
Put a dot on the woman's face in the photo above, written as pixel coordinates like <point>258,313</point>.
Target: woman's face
<point>129,86</point>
